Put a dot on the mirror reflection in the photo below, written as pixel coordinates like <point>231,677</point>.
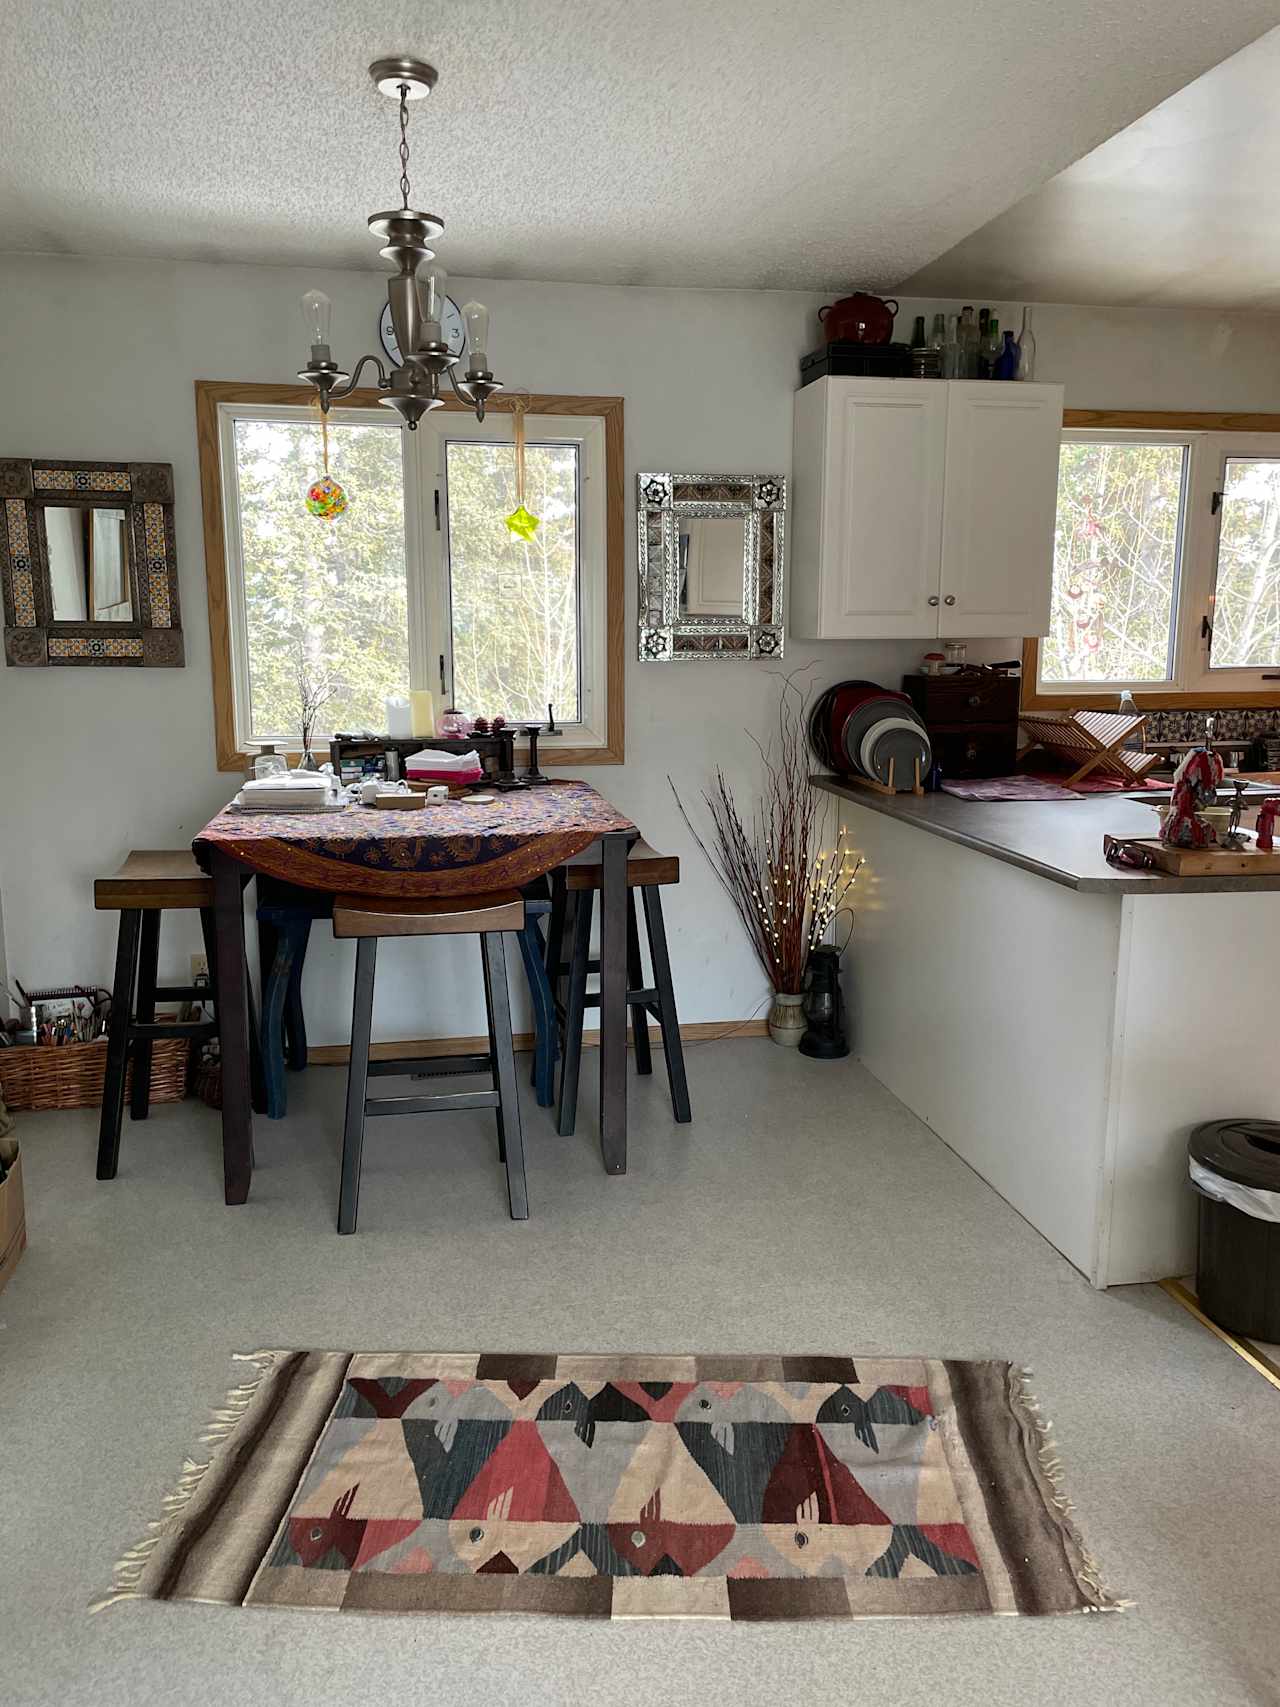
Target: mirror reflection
<point>711,565</point>
<point>88,564</point>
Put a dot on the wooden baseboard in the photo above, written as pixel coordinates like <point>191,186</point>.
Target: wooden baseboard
<point>705,1031</point>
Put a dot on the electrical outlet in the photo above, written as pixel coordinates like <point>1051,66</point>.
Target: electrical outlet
<point>199,967</point>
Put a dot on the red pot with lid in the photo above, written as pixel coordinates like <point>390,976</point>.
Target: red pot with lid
<point>859,319</point>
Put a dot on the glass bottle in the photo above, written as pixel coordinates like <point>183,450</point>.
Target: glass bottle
<point>951,361</point>
<point>989,349</point>
<point>1007,360</point>
<point>968,344</point>
<point>917,333</point>
<point>938,336</point>
<point>1026,348</point>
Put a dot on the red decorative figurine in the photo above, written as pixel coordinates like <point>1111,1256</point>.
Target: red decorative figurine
<point>1195,785</point>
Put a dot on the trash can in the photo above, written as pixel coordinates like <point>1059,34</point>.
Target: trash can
<point>1235,1168</point>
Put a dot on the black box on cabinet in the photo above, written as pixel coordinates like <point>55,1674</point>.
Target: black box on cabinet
<point>972,720</point>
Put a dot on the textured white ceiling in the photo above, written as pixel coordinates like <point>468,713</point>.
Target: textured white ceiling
<point>1182,208</point>
<point>712,142</point>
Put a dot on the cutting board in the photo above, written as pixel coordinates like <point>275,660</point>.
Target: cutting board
<point>1212,862</point>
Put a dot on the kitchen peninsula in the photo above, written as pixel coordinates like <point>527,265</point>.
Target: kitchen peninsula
<point>1061,1023</point>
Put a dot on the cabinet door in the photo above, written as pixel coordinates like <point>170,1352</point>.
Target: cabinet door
<point>998,509</point>
<point>881,529</point>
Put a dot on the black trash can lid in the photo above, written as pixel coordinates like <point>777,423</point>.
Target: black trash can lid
<point>1244,1150</point>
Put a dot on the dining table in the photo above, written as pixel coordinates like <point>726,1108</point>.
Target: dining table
<point>460,846</point>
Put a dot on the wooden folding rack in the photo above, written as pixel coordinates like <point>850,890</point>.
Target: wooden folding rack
<point>1095,737</point>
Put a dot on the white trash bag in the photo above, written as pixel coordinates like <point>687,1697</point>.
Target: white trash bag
<point>1250,1200</point>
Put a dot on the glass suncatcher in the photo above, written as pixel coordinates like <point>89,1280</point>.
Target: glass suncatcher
<point>325,498</point>
<point>521,522</point>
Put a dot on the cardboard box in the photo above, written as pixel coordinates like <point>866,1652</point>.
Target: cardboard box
<point>13,1222</point>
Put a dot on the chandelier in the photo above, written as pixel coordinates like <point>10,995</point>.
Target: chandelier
<point>416,294</point>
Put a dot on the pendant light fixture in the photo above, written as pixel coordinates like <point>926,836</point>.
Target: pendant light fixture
<point>414,386</point>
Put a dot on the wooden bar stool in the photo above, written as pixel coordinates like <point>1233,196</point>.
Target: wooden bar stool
<point>147,885</point>
<point>369,917</point>
<point>573,889</point>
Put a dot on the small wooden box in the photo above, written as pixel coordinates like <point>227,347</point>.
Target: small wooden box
<point>972,721</point>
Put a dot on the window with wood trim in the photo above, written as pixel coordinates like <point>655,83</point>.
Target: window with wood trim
<point>1166,576</point>
<point>419,582</point>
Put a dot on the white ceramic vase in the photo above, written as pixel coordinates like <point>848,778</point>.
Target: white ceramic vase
<point>786,1020</point>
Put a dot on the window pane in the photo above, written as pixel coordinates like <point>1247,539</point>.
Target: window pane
<point>1115,563</point>
<point>1246,609</point>
<point>325,601</point>
<point>514,601</point>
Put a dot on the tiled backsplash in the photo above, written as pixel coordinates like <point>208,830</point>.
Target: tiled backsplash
<point>1181,725</point>
<point>1258,727</point>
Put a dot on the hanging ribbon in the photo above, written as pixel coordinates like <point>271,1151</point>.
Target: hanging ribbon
<point>521,521</point>
<point>325,498</point>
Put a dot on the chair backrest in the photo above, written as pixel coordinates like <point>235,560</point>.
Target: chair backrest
<point>451,915</point>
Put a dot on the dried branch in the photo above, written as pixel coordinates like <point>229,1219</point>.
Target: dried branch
<point>785,888</point>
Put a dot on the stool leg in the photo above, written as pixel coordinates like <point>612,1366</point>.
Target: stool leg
<point>118,1044</point>
<point>295,1020</point>
<point>635,981</point>
<point>504,1072</point>
<point>555,932</point>
<point>145,1013</point>
<point>493,1045</point>
<point>276,979</point>
<point>532,950</point>
<point>574,1010</point>
<point>357,1083</point>
<point>671,1044</point>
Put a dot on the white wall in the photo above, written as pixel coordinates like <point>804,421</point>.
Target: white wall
<point>98,360</point>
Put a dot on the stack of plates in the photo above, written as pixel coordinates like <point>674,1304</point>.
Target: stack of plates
<point>883,729</point>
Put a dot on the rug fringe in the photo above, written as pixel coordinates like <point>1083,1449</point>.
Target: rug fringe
<point>1038,1438</point>
<point>128,1570</point>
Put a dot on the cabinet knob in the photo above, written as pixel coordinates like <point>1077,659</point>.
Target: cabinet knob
<point>950,599</point>
<point>975,699</point>
<point>933,598</point>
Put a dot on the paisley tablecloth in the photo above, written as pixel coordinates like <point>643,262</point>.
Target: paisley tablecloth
<point>456,848</point>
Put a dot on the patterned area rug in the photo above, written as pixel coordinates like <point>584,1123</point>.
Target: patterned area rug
<point>622,1486</point>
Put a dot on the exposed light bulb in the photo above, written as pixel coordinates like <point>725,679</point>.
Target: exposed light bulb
<point>316,309</point>
<point>476,316</point>
<point>432,284</point>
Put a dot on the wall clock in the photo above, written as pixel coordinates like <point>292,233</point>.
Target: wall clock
<point>452,330</point>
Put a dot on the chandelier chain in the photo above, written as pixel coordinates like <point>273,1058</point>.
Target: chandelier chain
<point>404,143</point>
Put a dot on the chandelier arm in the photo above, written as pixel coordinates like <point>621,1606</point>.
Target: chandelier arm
<point>462,390</point>
<point>338,392</point>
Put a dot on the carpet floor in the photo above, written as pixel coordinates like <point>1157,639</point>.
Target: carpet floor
<point>804,1209</point>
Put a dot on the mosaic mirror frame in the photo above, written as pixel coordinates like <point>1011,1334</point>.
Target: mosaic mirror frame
<point>32,634</point>
<point>668,634</point>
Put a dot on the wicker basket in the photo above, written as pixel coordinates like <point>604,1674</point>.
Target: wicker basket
<point>71,1074</point>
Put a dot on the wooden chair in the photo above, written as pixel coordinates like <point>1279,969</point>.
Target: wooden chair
<point>147,885</point>
<point>285,917</point>
<point>366,918</point>
<point>573,889</point>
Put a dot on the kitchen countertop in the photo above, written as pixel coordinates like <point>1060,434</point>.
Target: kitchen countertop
<point>1057,839</point>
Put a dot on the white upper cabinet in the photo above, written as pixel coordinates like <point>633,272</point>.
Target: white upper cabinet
<point>923,508</point>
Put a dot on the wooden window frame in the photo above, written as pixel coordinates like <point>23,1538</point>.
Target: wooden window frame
<point>1162,698</point>
<point>212,392</point>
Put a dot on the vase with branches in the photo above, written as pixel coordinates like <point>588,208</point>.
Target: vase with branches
<point>316,687</point>
<point>786,887</point>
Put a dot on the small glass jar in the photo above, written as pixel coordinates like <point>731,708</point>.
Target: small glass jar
<point>268,761</point>
<point>956,651</point>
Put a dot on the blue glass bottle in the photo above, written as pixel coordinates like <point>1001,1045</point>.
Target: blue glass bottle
<point>1006,363</point>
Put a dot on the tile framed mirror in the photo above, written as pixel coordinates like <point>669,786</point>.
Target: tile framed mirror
<point>88,564</point>
<point>711,552</point>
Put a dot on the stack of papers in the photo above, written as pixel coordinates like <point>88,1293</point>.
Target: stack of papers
<point>299,791</point>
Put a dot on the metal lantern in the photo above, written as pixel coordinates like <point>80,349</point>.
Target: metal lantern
<point>824,1036</point>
